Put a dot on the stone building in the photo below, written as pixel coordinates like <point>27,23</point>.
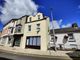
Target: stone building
<point>27,32</point>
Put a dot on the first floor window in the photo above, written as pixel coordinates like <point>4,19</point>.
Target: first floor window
<point>30,19</point>
<point>29,28</point>
<point>18,28</point>
<point>38,28</point>
<point>38,17</point>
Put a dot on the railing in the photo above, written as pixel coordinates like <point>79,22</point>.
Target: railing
<point>17,30</point>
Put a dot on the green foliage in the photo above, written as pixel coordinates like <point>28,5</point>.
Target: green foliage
<point>74,25</point>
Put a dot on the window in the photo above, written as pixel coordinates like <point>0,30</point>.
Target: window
<point>17,43</point>
<point>29,28</point>
<point>52,38</point>
<point>33,42</point>
<point>71,37</point>
<point>30,19</point>
<point>73,46</point>
<point>18,28</point>
<point>17,40</point>
<point>11,29</point>
<point>4,40</point>
<point>27,42</point>
<point>38,41</point>
<point>9,41</point>
<point>38,17</point>
<point>38,28</point>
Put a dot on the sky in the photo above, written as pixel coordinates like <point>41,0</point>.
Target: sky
<point>65,12</point>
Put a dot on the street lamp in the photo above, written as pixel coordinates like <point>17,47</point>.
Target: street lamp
<point>54,40</point>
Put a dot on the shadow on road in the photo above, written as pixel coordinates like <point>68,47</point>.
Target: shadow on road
<point>2,58</point>
<point>75,55</point>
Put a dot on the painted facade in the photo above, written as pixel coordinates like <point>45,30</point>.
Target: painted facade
<point>32,32</point>
<point>67,38</point>
<point>27,32</point>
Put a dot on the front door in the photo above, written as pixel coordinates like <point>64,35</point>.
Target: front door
<point>17,40</point>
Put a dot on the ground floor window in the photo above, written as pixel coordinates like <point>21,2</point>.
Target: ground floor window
<point>17,40</point>
<point>0,40</point>
<point>33,42</point>
<point>9,40</point>
<point>4,40</point>
<point>73,46</point>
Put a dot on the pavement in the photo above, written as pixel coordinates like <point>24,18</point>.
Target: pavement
<point>10,56</point>
<point>29,54</point>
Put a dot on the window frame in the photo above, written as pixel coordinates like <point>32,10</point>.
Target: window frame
<point>18,28</point>
<point>32,41</point>
<point>38,27</point>
<point>30,19</point>
<point>29,27</point>
<point>71,37</point>
<point>39,17</point>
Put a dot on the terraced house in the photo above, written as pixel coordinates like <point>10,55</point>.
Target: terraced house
<point>32,32</point>
<point>66,38</point>
<point>26,32</point>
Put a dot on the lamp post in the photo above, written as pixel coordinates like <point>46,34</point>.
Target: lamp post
<point>52,26</point>
<point>54,40</point>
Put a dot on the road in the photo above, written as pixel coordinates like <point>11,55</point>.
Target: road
<point>9,56</point>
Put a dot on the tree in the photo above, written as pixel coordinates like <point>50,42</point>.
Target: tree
<point>74,25</point>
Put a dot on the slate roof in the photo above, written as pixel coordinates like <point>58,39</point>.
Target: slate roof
<point>15,19</point>
<point>66,30</point>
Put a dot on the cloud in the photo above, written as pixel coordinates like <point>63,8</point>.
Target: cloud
<point>16,9</point>
<point>67,25</point>
<point>54,24</point>
<point>60,21</point>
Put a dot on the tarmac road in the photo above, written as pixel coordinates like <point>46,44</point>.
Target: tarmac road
<point>9,56</point>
